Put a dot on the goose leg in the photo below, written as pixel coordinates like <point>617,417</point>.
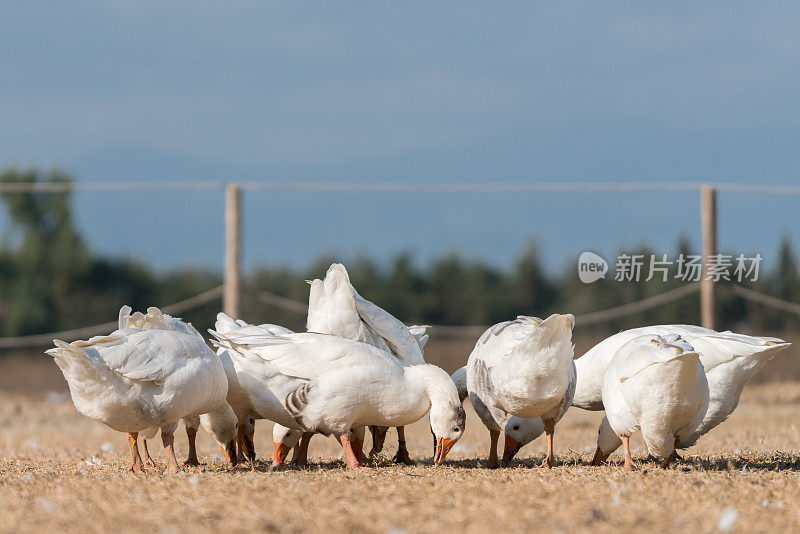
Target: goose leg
<point>168,440</point>
<point>302,458</point>
<point>378,438</point>
<point>494,461</point>
<point>350,455</point>
<point>358,449</point>
<point>249,445</point>
<point>629,465</point>
<point>240,443</point>
<point>549,428</point>
<point>402,456</point>
<point>191,436</point>
<point>136,460</point>
<point>148,460</point>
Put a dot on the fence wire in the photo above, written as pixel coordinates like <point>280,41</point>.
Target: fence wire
<point>42,340</point>
<point>395,187</point>
<point>295,306</point>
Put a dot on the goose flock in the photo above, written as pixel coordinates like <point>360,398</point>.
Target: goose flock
<point>358,368</point>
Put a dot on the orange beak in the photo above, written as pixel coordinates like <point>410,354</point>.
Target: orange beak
<point>443,446</point>
<point>511,448</point>
<point>281,452</point>
<point>599,457</point>
<point>229,451</point>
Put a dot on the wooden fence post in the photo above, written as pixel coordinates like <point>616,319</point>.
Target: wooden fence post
<point>233,250</point>
<point>708,304</point>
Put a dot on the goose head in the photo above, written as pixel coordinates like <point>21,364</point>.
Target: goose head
<point>285,439</point>
<point>447,426</point>
<point>222,424</point>
<point>447,415</point>
<point>607,442</point>
<point>519,432</point>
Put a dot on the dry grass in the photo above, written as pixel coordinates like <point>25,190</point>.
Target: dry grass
<point>63,472</point>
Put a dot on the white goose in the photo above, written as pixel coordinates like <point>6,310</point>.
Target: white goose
<point>523,367</point>
<point>154,319</point>
<point>237,397</point>
<point>327,384</point>
<point>336,308</point>
<point>729,359</point>
<point>138,381</point>
<point>656,385</point>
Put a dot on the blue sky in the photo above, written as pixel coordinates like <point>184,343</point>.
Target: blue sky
<point>407,92</point>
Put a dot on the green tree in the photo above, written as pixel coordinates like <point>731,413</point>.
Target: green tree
<point>43,254</point>
<point>531,290</point>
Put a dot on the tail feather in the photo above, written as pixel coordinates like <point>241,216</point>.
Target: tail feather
<point>124,313</point>
<point>225,323</point>
<point>420,332</point>
<point>246,340</point>
<point>296,402</point>
<point>72,360</point>
<point>154,319</point>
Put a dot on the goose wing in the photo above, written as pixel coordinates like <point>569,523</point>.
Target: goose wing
<point>144,355</point>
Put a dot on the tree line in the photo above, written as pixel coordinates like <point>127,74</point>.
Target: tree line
<point>51,280</point>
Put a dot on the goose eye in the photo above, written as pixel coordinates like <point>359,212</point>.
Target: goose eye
<point>456,429</point>
<point>516,427</point>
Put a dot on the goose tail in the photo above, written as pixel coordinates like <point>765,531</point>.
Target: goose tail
<point>124,315</point>
<point>296,403</point>
<point>72,361</point>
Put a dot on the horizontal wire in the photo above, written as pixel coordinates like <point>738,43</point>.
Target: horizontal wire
<point>291,305</point>
<point>398,188</point>
<point>41,340</point>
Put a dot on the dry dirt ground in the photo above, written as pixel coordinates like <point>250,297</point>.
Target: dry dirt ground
<point>62,472</point>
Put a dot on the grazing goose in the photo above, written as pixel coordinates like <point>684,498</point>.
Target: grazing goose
<point>246,414</point>
<point>716,349</point>
<point>138,381</point>
<point>656,385</point>
<point>154,319</point>
<point>523,367</point>
<point>299,381</point>
<point>238,398</point>
<point>336,308</point>
<point>729,359</point>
